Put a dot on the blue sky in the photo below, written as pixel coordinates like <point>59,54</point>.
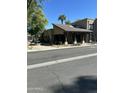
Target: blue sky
<point>72,9</point>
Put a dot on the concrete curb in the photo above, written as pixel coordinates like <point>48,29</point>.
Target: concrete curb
<point>58,48</point>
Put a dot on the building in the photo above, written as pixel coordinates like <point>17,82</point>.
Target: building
<point>87,23</point>
<point>67,34</point>
<point>84,23</point>
<point>95,30</point>
<point>79,32</point>
<point>47,37</point>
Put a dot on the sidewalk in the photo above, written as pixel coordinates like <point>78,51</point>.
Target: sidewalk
<point>54,47</point>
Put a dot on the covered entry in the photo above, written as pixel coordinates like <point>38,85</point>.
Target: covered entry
<point>66,34</point>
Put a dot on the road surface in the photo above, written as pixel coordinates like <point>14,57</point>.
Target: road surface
<point>74,76</point>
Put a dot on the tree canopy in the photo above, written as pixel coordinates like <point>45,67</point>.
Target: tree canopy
<point>36,19</point>
<point>30,1</point>
<point>68,22</point>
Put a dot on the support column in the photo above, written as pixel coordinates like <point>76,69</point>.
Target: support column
<point>83,39</point>
<point>66,41</point>
<point>87,38</point>
<point>90,36</point>
<point>75,39</point>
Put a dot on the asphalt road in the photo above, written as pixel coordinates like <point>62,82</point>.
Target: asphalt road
<point>79,76</point>
<point>45,56</point>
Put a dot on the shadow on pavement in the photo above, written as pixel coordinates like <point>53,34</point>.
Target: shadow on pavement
<point>84,84</point>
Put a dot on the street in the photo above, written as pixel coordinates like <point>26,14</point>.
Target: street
<point>69,76</point>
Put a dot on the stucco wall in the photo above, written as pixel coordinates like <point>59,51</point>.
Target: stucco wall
<point>83,23</point>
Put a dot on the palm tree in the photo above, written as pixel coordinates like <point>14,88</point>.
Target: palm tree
<point>62,18</point>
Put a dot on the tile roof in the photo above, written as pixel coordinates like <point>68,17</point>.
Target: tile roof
<point>71,28</point>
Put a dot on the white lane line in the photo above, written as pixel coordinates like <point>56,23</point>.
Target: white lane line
<point>59,61</point>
